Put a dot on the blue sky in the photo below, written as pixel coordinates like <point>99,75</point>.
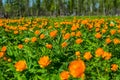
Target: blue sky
<point>3,1</point>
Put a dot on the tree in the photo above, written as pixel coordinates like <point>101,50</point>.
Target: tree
<point>8,9</point>
<point>1,5</point>
<point>17,8</point>
<point>38,6</point>
<point>26,7</point>
<point>115,6</point>
<point>1,9</point>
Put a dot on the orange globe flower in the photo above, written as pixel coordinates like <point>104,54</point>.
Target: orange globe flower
<point>64,75</point>
<point>53,33</point>
<point>77,68</point>
<point>78,34</point>
<point>118,30</point>
<point>20,65</point>
<point>4,48</point>
<point>37,32</point>
<point>99,52</point>
<point>74,27</point>
<point>90,26</point>
<point>66,36</point>
<point>72,33</point>
<point>20,46</point>
<point>111,24</point>
<point>63,31</point>
<point>49,46</point>
<point>116,41</point>
<point>98,35</point>
<point>64,44</point>
<point>105,27</point>
<point>84,21</point>
<point>112,32</point>
<point>49,27</point>
<point>103,31</point>
<point>16,32</point>
<point>78,41</point>
<point>114,67</point>
<point>34,39</point>
<point>108,40</point>
<point>106,55</point>
<point>44,61</point>
<point>42,36</point>
<point>97,29</point>
<point>2,54</point>
<point>77,53</point>
<point>87,55</point>
<point>26,40</point>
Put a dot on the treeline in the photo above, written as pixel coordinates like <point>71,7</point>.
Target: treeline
<point>19,8</point>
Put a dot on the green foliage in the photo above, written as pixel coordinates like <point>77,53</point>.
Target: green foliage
<point>97,68</point>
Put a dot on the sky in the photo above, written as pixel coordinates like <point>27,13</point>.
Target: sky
<point>3,1</point>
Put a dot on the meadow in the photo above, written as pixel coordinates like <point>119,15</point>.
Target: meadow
<point>63,48</point>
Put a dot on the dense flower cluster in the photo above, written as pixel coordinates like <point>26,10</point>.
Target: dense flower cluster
<point>39,48</point>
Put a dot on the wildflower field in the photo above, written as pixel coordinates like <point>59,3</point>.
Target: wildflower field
<point>64,48</point>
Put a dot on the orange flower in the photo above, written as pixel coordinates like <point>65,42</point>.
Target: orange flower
<point>16,32</point>
<point>72,33</point>
<point>20,46</point>
<point>53,33</point>
<point>64,75</point>
<point>2,54</point>
<point>112,32</point>
<point>87,55</point>
<point>21,65</point>
<point>63,31</point>
<point>84,21</point>
<point>74,27</point>
<point>49,27</point>
<point>44,61</point>
<point>97,29</point>
<point>90,26</point>
<point>111,24</point>
<point>77,53</point>
<point>116,41</point>
<point>26,40</point>
<point>118,26</point>
<point>108,40</point>
<point>42,36</point>
<point>34,39</point>
<point>103,30</point>
<point>64,44</point>
<point>98,35</point>
<point>106,27</point>
<point>77,68</point>
<point>97,25</point>
<point>4,48</point>
<point>83,76</point>
<point>99,52</point>
<point>78,34</point>
<point>67,36</point>
<point>78,41</point>
<point>37,32</point>
<point>49,46</point>
<point>114,67</point>
<point>106,55</point>
<point>118,30</point>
